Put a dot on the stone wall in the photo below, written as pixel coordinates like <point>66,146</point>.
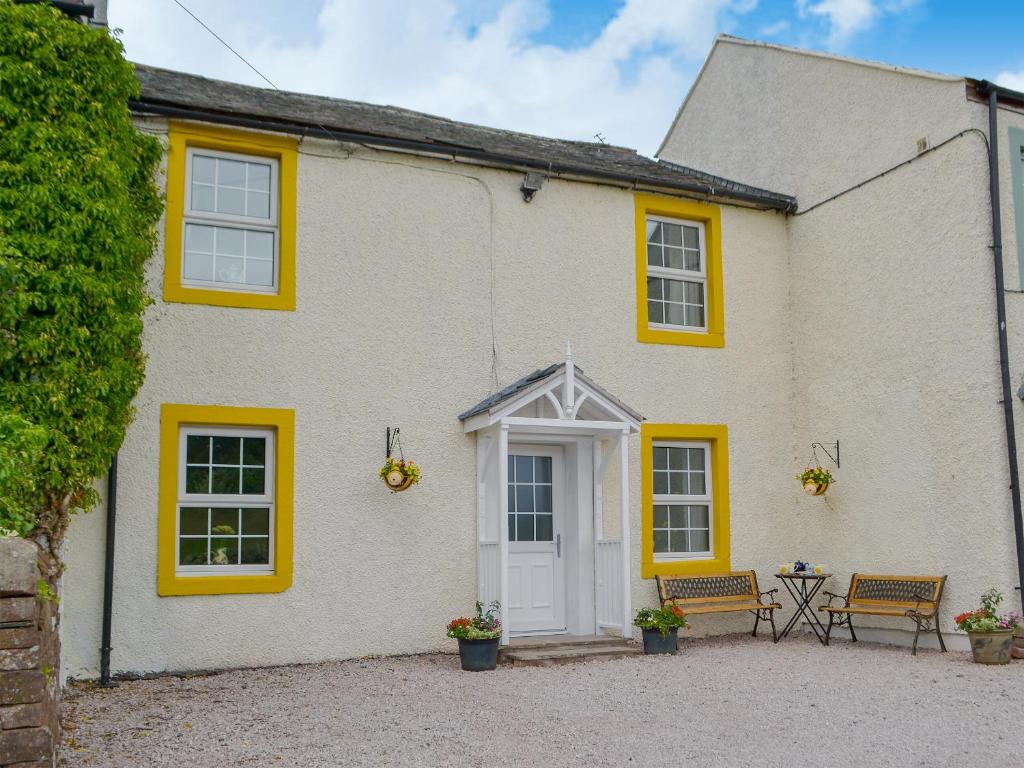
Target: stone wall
<point>29,659</point>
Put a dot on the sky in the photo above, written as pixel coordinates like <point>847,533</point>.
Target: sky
<point>611,70</point>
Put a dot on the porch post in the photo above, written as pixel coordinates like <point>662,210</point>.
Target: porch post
<point>627,608</point>
<point>503,528</point>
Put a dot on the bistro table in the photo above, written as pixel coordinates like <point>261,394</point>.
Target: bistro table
<point>802,587</point>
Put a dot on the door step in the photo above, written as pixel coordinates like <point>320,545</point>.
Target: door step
<point>560,649</point>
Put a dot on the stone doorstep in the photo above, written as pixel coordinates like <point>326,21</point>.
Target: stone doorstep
<point>543,652</point>
<point>25,745</point>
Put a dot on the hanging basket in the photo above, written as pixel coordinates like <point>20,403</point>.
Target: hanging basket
<point>396,481</point>
<point>812,488</point>
<point>397,473</point>
<point>815,479</point>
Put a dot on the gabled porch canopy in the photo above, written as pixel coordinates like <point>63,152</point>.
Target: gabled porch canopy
<point>558,405</point>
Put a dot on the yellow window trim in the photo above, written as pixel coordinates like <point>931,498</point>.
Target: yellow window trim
<point>285,150</point>
<point>710,215</point>
<point>172,418</point>
<point>718,436</point>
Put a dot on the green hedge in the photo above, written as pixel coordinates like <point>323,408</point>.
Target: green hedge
<point>78,209</point>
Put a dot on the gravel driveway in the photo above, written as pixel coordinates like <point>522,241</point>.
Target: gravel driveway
<point>732,701</point>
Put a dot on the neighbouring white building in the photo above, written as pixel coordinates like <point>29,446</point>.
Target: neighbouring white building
<point>329,269</point>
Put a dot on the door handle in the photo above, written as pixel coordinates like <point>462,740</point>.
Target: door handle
<point>558,545</point>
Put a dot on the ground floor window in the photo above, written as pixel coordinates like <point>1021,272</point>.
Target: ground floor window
<point>685,498</point>
<point>225,506</point>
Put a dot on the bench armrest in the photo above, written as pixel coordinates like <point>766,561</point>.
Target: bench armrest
<point>767,594</point>
<point>833,596</point>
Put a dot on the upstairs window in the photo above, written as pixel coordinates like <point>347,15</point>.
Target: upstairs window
<point>231,222</point>
<point>676,274</point>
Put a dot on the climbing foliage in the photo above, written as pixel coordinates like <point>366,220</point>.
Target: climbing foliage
<point>78,209</point>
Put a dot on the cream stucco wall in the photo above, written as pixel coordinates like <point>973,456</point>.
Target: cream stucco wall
<point>393,328</point>
<point>893,306</point>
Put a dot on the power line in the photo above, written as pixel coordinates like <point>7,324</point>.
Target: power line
<point>225,44</point>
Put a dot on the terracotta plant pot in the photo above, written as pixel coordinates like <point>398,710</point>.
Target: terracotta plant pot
<point>478,655</point>
<point>992,647</point>
<point>812,488</point>
<point>655,642</point>
<point>396,481</point>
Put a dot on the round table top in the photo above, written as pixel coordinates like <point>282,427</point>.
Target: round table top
<point>802,575</point>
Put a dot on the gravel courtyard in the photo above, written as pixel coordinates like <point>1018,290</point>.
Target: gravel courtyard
<point>732,701</point>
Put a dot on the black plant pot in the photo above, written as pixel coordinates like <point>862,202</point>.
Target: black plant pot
<point>478,655</point>
<point>655,642</point>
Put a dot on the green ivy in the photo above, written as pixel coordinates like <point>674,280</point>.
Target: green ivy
<point>78,209</point>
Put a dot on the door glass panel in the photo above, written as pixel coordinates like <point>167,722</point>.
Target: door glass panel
<point>530,503</point>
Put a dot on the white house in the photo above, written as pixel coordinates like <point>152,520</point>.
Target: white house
<point>329,270</point>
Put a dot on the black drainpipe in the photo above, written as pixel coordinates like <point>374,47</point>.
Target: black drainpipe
<point>1004,356</point>
<point>108,575</point>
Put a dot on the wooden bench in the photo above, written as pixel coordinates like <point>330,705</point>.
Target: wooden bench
<point>913,597</point>
<point>719,593</point>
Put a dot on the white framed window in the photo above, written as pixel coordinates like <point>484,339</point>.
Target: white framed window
<point>225,509</point>
<point>676,274</point>
<point>683,514</point>
<point>231,222</point>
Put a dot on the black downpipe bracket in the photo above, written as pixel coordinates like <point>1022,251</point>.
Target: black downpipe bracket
<point>108,575</point>
<point>1004,355</point>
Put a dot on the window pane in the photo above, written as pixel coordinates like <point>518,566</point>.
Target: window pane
<point>230,269</point>
<point>192,551</point>
<point>674,258</point>
<point>696,458</point>
<point>259,176</point>
<point>661,541</point>
<point>253,480</point>
<point>254,451</point>
<point>230,242</point>
<point>203,168</point>
<point>203,197</point>
<point>512,528</point>
<point>697,486</point>
<point>691,260</point>
<point>256,551</point>
<point>193,522</point>
<point>675,314</point>
<point>524,469</point>
<point>257,204</point>
<point>226,480</point>
<point>695,316</point>
<point>677,516</point>
<point>259,245</point>
<point>524,498</point>
<point>654,257</point>
<point>197,480</point>
<point>699,541</point>
<point>227,450</point>
<point>677,541</point>
<point>544,528</point>
<point>655,312</point>
<point>653,231</point>
<point>224,522</point>
<point>255,520</point>
<point>673,234</point>
<point>678,483</point>
<point>231,173</point>
<point>674,290</point>
<point>524,528</point>
<point>199,238</point>
<point>511,469</point>
<point>660,516</point>
<point>231,201</point>
<point>197,266</point>
<point>691,237</point>
<point>259,272</point>
<point>543,498</point>
<point>224,551</point>
<point>694,293</point>
<point>660,458</point>
<point>511,498</point>
<point>654,288</point>
<point>698,517</point>
<point>542,465</point>
<point>197,449</point>
<point>661,482</point>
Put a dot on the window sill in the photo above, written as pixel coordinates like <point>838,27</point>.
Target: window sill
<point>236,584</point>
<point>681,338</point>
<point>185,294</point>
<point>689,567</point>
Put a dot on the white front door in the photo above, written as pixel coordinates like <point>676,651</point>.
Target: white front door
<point>536,576</point>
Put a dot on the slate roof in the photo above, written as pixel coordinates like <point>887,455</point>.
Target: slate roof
<point>529,379</point>
<point>177,94</point>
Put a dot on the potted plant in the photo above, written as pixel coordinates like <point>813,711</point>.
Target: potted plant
<point>991,634</point>
<point>815,480</point>
<point>399,474</point>
<point>478,638</point>
<point>660,627</point>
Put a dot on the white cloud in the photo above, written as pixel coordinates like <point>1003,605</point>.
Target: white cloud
<point>1014,80</point>
<point>846,18</point>
<point>430,56</point>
